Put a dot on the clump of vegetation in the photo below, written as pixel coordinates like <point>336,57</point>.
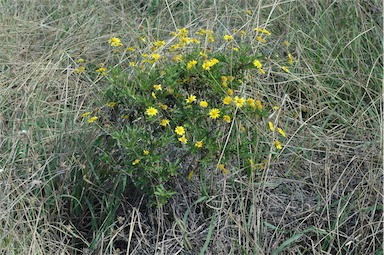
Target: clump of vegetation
<point>186,104</point>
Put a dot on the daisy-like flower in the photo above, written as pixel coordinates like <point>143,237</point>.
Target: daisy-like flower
<point>159,43</point>
<point>199,144</point>
<point>115,42</point>
<point>92,119</point>
<point>183,139</point>
<point>151,111</point>
<point>156,56</point>
<point>80,69</point>
<point>180,130</point>
<point>229,92</point>
<point>281,131</point>
<point>191,64</point>
<point>191,99</point>
<point>271,126</point>
<point>157,87</point>
<point>163,106</point>
<point>136,161</point>
<point>101,71</point>
<point>259,105</point>
<point>227,100</point>
<point>146,152</point>
<point>257,64</point>
<point>239,101</point>
<point>131,48</point>
<point>177,58</point>
<point>111,104</point>
<point>278,145</point>
<point>209,63</point>
<point>290,58</point>
<point>227,118</point>
<point>85,114</point>
<point>204,104</point>
<point>251,101</point>
<point>214,113</point>
<point>164,122</point>
<point>223,169</point>
<point>285,69</point>
<point>228,38</point>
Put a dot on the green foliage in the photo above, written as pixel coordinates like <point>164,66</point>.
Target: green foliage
<point>184,103</point>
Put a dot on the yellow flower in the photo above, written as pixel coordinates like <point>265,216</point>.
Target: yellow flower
<point>191,64</point>
<point>190,174</point>
<point>275,108</point>
<point>93,119</point>
<point>278,145</point>
<point>204,104</point>
<point>228,38</point>
<point>259,105</point>
<point>271,126</point>
<point>177,58</point>
<point>281,131</point>
<point>214,113</point>
<point>164,122</point>
<point>132,64</point>
<point>151,111</point>
<point>223,169</point>
<point>248,12</point>
<point>183,139</point>
<point>191,99</point>
<point>203,55</point>
<point>185,40</point>
<point>143,39</point>
<point>146,152</point>
<point>80,69</point>
<point>131,48</point>
<point>257,64</point>
<point>199,144</point>
<point>136,161</point>
<point>102,71</point>
<point>163,106</point>
<point>115,42</point>
<point>250,101</point>
<point>227,100</point>
<point>156,56</point>
<point>111,104</point>
<point>227,118</point>
<point>157,87</point>
<point>285,69</point>
<point>229,92</point>
<point>159,43</point>
<point>209,63</point>
<point>180,130</point>
<point>85,114</point>
<point>261,70</point>
<point>290,58</point>
<point>286,43</point>
<point>239,101</point>
<point>80,60</point>
<point>182,32</point>
<point>154,95</point>
<point>235,49</point>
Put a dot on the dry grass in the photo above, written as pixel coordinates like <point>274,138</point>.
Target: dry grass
<point>323,195</point>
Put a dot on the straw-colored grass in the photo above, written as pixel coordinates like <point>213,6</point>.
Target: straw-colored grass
<point>322,196</point>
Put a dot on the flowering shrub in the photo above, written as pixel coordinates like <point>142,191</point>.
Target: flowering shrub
<point>189,98</point>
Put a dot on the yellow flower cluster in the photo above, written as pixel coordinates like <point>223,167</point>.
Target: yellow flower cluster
<point>209,63</point>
